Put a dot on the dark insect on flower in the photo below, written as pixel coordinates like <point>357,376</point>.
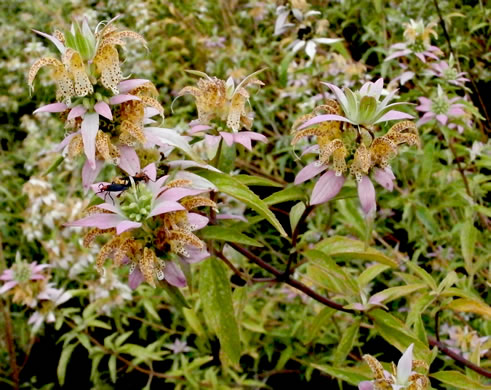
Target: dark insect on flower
<point>140,176</point>
<point>113,187</point>
<point>304,32</point>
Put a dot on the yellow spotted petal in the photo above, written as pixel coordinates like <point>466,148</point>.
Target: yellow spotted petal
<point>107,64</point>
<point>42,62</point>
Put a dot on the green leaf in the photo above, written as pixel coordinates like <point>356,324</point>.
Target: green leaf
<point>464,305</point>
<point>178,300</point>
<point>249,180</point>
<point>283,68</point>
<point>149,307</point>
<point>62,364</point>
<point>53,166</point>
<point>227,234</point>
<point>389,294</point>
<point>351,375</point>
<point>197,73</point>
<point>194,322</point>
<point>347,248</point>
<point>122,338</point>
<point>112,368</point>
<point>98,324</point>
<point>468,238</point>
<point>448,281</point>
<point>331,276</point>
<point>319,321</point>
<point>425,276</point>
<point>346,343</point>
<point>236,189</point>
<point>459,380</point>
<point>94,370</point>
<point>397,334</point>
<point>371,273</point>
<point>295,214</point>
<point>216,297</point>
<point>228,155</point>
<point>286,195</point>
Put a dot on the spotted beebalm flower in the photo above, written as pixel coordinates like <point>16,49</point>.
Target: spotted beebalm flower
<point>353,144</point>
<point>402,377</point>
<point>446,72</point>
<point>21,281</point>
<point>50,298</point>
<point>89,80</point>
<point>417,42</point>
<point>86,58</point>
<point>111,138</point>
<point>441,108</point>
<point>221,100</point>
<point>362,107</point>
<point>305,38</point>
<point>465,341</point>
<point>150,218</point>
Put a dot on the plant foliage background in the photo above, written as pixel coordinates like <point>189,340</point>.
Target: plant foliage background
<point>414,272</point>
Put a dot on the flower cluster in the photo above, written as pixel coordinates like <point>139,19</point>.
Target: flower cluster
<point>447,72</point>
<point>89,81</point>
<point>402,376</point>
<point>304,25</point>
<point>346,135</point>
<point>224,102</point>
<point>24,281</point>
<point>417,42</point>
<point>446,111</point>
<point>28,285</point>
<point>149,221</point>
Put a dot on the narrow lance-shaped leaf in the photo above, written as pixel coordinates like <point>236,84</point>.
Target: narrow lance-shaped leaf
<point>468,237</point>
<point>236,189</point>
<point>216,297</point>
<point>227,234</point>
<point>459,380</point>
<point>397,334</point>
<point>347,248</point>
<point>346,343</point>
<point>62,364</point>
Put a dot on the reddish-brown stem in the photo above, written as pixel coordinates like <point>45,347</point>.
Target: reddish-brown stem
<point>9,337</point>
<point>459,358</point>
<point>327,302</point>
<point>483,219</point>
<point>288,280</point>
<point>296,231</point>
<point>120,358</point>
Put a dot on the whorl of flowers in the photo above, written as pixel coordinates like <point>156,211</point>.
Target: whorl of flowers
<point>446,111</point>
<point>306,34</point>
<point>418,37</point>
<point>148,223</point>
<point>86,58</point>
<point>447,72</point>
<point>222,100</point>
<point>224,104</point>
<point>23,281</point>
<point>89,80</point>
<point>403,377</point>
<point>346,136</point>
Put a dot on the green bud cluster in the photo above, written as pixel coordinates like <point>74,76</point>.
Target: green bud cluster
<point>137,202</point>
<point>82,40</point>
<point>22,272</point>
<point>440,105</point>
